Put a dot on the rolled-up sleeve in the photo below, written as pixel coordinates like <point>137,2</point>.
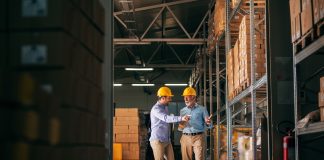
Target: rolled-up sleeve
<point>164,117</point>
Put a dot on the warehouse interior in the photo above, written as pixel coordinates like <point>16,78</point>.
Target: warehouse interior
<point>78,78</point>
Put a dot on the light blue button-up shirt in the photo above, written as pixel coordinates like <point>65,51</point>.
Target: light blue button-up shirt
<point>197,120</point>
<point>160,120</point>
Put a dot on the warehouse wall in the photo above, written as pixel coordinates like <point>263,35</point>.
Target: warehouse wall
<point>128,96</point>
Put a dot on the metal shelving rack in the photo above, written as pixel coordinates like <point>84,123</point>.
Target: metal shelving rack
<point>249,91</point>
<point>198,79</point>
<point>307,54</point>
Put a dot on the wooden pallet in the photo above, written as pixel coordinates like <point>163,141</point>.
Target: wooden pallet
<point>257,4</point>
<point>245,85</point>
<point>320,28</point>
<point>304,41</point>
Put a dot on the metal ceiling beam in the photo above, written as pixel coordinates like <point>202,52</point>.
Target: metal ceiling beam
<point>201,23</point>
<point>154,53</point>
<point>124,25</point>
<point>180,66</point>
<point>175,53</point>
<point>176,41</point>
<point>179,23</point>
<point>159,6</point>
<point>151,24</point>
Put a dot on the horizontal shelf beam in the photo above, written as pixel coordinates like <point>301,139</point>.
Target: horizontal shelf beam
<point>311,49</point>
<point>148,41</point>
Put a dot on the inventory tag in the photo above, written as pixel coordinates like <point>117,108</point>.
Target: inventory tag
<point>33,54</point>
<point>34,8</point>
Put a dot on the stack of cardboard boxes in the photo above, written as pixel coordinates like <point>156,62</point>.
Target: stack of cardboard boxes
<point>245,50</point>
<point>321,98</point>
<point>239,59</point>
<point>51,91</point>
<point>237,132</point>
<point>211,34</point>
<point>230,73</point>
<point>219,18</point>
<point>304,15</point>
<point>126,132</point>
<point>236,62</point>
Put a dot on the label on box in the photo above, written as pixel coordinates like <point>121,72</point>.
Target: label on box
<point>34,8</point>
<point>33,54</point>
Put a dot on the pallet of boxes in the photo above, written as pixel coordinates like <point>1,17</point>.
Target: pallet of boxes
<point>239,57</point>
<point>307,22</point>
<point>51,97</point>
<point>126,132</point>
<point>321,99</point>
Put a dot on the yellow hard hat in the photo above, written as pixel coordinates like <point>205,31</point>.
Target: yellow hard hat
<point>189,91</point>
<point>164,91</point>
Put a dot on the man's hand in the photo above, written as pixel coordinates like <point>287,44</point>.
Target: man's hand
<point>208,119</point>
<point>185,118</point>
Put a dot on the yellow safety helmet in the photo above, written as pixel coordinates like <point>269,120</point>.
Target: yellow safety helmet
<point>164,91</point>
<point>189,91</point>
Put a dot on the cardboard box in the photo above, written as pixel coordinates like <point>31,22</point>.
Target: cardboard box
<point>316,10</point>
<point>121,112</point>
<point>41,49</point>
<point>292,28</point>
<point>133,112</point>
<point>125,146</point>
<point>126,112</point>
<point>121,121</point>
<point>322,84</point>
<point>122,137</point>
<point>53,15</point>
<point>69,121</point>
<point>298,27</point>
<point>133,129</point>
<point>321,99</point>
<point>306,16</point>
<point>26,124</point>
<point>322,113</point>
<point>133,147</point>
<point>120,129</point>
<point>321,4</point>
<point>133,137</point>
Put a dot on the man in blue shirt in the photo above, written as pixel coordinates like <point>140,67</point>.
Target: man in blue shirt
<point>193,138</point>
<point>160,119</point>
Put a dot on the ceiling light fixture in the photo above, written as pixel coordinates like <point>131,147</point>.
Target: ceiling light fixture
<point>142,84</point>
<point>118,85</point>
<point>139,69</point>
<point>176,84</point>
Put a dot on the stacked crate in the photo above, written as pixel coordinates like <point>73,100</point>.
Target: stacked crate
<point>306,16</point>
<point>295,9</point>
<point>236,62</point>
<point>244,51</point>
<point>219,18</point>
<point>306,19</point>
<point>237,132</point>
<point>126,132</point>
<point>321,98</point>
<point>52,84</point>
<point>230,73</point>
<point>211,41</point>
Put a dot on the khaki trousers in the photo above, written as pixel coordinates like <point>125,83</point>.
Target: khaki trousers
<point>193,144</point>
<point>162,148</point>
